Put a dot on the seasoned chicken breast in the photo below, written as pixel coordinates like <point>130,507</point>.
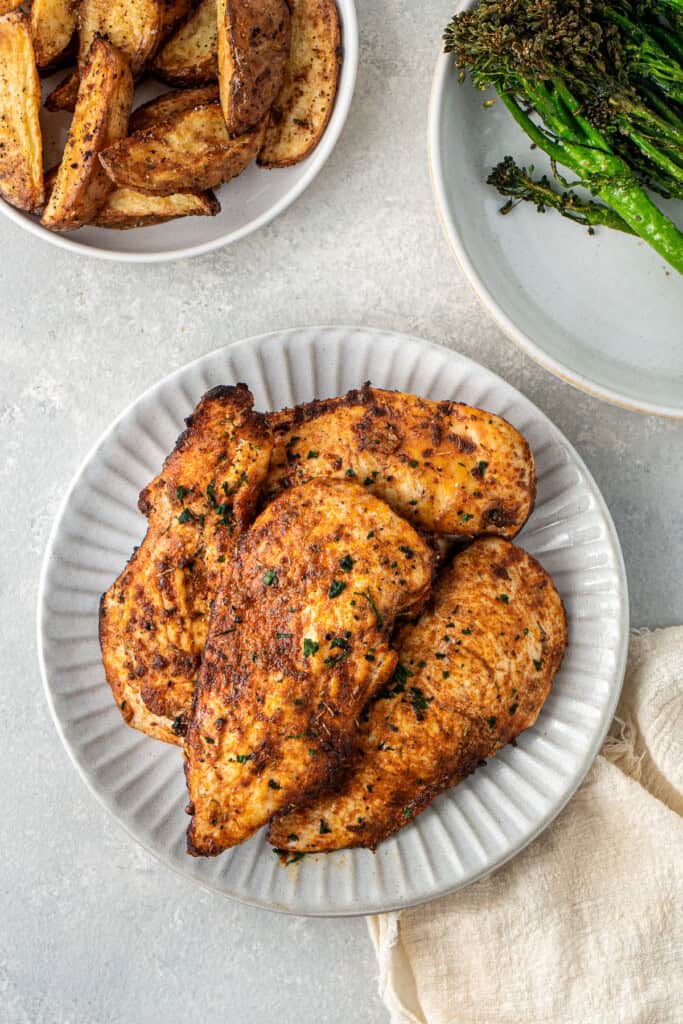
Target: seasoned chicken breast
<point>474,672</point>
<point>298,642</point>
<point>447,467</point>
<point>154,618</point>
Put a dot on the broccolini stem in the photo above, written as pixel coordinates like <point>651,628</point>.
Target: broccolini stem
<point>517,183</point>
<point>627,199</point>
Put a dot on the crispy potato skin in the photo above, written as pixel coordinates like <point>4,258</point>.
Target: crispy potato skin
<point>253,47</point>
<point>105,97</point>
<point>170,104</point>
<point>447,467</point>
<point>132,26</point>
<point>64,95</point>
<point>476,670</point>
<point>298,641</point>
<point>189,152</point>
<point>125,208</point>
<point>173,13</point>
<point>153,619</point>
<point>7,6</point>
<point>299,115</point>
<point>21,154</point>
<point>53,25</point>
<point>190,57</point>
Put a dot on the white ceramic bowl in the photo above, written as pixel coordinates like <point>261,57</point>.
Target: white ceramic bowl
<point>603,312</point>
<point>466,832</point>
<point>247,203</point>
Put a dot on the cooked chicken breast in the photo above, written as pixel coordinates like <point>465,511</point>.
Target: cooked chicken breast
<point>474,672</point>
<point>298,642</point>
<point>153,619</point>
<point>447,467</point>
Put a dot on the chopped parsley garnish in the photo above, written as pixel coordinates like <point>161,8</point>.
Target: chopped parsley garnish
<point>269,577</point>
<point>371,534</point>
<point>324,828</point>
<point>482,466</point>
<point>346,563</point>
<point>209,739</point>
<point>289,860</point>
<point>180,492</point>
<point>538,665</point>
<point>413,463</point>
<point>408,552</point>
<point>400,678</point>
<point>336,587</point>
<point>526,631</point>
<point>368,597</point>
<point>465,517</point>
<point>185,516</point>
<point>338,641</point>
<point>440,655</point>
<point>292,837</point>
<point>274,784</point>
<point>492,721</point>
<point>407,812</point>
<point>211,495</point>
<point>313,454</point>
<point>418,700</point>
<point>310,647</point>
<point>505,598</point>
<point>369,657</point>
<point>465,632</point>
<point>243,758</point>
<point>513,708</point>
<point>221,558</point>
<point>283,636</point>
<point>350,472</point>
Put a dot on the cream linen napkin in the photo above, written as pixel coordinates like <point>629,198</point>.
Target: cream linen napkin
<point>586,925</point>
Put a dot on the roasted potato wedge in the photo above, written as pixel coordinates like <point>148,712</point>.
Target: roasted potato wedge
<point>105,97</point>
<point>173,12</point>
<point>64,95</point>
<point>53,27</point>
<point>190,55</point>
<point>133,26</point>
<point>21,151</point>
<point>170,104</point>
<point>299,115</point>
<point>124,208</point>
<point>6,6</point>
<point>187,153</point>
<point>253,47</point>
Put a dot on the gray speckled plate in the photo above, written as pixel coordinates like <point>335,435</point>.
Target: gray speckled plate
<point>468,831</point>
<point>602,312</point>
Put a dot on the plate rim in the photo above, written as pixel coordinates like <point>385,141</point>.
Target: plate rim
<point>622,643</point>
<point>476,281</point>
<point>316,161</point>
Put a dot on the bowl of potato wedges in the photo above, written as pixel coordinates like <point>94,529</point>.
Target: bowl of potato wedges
<point>150,130</point>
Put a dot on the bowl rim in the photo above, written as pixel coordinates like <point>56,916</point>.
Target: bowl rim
<point>440,83</point>
<point>314,164</point>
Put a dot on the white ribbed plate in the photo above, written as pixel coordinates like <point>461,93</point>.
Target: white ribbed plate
<point>467,831</point>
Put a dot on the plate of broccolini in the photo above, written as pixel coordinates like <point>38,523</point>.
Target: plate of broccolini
<point>573,109</point>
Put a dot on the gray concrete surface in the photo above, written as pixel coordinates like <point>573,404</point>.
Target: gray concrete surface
<point>93,931</point>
